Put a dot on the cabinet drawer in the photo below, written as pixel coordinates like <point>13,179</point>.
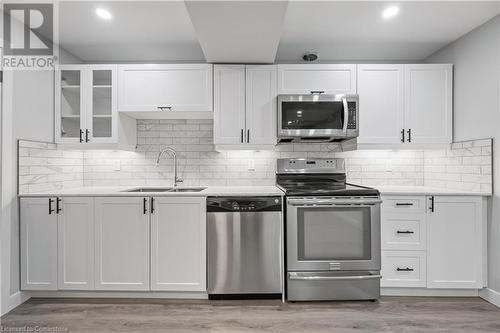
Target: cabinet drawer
<point>403,232</point>
<point>410,204</point>
<point>403,269</point>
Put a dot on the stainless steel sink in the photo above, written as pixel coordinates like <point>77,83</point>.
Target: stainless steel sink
<point>166,189</point>
<point>187,189</point>
<point>150,189</point>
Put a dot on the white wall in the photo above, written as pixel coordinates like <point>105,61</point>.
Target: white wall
<point>476,59</point>
<point>28,113</point>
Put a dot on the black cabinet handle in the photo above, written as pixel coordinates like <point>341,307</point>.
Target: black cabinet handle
<point>317,92</point>
<point>58,205</point>
<point>152,209</point>
<point>144,206</point>
<point>407,269</point>
<point>403,135</point>
<point>50,206</point>
<point>409,135</point>
<point>404,204</point>
<point>81,135</point>
<point>432,204</point>
<point>87,132</point>
<point>405,232</point>
<point>248,136</point>
<point>242,135</point>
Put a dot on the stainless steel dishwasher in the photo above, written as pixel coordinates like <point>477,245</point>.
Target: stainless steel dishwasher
<point>244,239</point>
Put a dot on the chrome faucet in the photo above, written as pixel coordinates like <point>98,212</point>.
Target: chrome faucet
<point>177,180</point>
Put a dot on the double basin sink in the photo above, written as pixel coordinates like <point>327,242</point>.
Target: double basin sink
<point>166,189</point>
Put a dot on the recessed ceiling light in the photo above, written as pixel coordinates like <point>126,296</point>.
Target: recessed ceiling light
<point>390,12</point>
<point>103,13</point>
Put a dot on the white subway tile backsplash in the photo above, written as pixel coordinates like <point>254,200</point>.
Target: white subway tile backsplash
<point>465,166</point>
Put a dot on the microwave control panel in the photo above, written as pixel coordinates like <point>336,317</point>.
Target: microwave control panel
<point>351,122</point>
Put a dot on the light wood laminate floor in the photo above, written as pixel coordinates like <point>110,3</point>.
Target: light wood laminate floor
<point>390,314</point>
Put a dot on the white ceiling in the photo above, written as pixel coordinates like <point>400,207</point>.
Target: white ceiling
<point>162,31</point>
<point>139,31</point>
<point>356,30</point>
<point>238,31</point>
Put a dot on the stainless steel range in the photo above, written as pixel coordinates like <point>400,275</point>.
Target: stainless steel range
<point>332,232</point>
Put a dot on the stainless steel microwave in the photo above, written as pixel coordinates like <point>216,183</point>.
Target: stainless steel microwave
<point>317,118</point>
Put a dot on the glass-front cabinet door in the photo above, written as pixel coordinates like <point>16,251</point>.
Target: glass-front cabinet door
<point>86,104</point>
<point>70,124</point>
<point>103,112</point>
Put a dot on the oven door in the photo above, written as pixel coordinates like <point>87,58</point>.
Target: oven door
<point>333,234</point>
<point>317,116</point>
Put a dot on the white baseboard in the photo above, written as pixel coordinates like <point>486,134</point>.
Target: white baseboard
<point>119,294</point>
<point>429,292</point>
<point>490,295</point>
<point>15,300</point>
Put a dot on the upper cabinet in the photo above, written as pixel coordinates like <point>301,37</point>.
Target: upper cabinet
<point>165,88</point>
<point>381,96</point>
<point>428,103</point>
<point>245,106</point>
<point>307,78</point>
<point>86,108</point>
<point>405,105</point>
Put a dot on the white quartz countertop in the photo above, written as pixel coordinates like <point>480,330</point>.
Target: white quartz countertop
<point>236,191</point>
<point>425,190</point>
<point>114,191</point>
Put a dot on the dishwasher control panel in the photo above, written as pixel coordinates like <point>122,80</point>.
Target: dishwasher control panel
<point>243,204</point>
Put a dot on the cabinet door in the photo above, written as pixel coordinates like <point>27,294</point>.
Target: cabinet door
<point>380,89</point>
<point>261,105</point>
<point>455,242</point>
<point>75,234</point>
<point>70,104</point>
<point>229,104</point>
<point>38,244</point>
<point>178,254</point>
<point>103,115</point>
<point>428,103</point>
<point>122,243</point>
<point>176,87</point>
<point>304,78</point>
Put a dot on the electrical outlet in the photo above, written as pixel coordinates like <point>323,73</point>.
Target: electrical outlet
<point>117,165</point>
<point>251,165</point>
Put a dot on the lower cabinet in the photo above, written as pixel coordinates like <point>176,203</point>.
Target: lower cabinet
<point>38,244</point>
<point>178,236</point>
<point>434,242</point>
<point>122,243</point>
<point>75,242</point>
<point>113,243</point>
<point>456,248</point>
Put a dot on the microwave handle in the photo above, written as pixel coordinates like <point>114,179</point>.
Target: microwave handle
<point>346,114</point>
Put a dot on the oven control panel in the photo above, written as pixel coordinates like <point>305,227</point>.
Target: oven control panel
<point>310,165</point>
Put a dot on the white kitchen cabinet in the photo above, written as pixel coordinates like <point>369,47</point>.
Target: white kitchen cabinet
<point>245,106</point>
<point>307,78</point>
<point>86,108</point>
<point>403,269</point>
<point>456,255</point>
<point>261,104</point>
<point>381,103</point>
<point>229,104</point>
<point>405,106</point>
<point>165,88</point>
<point>178,254</point>
<point>75,241</point>
<point>38,243</point>
<point>122,243</point>
<point>428,103</point>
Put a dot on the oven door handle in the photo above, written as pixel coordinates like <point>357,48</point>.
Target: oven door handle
<point>298,202</point>
<point>293,276</point>
<point>346,114</point>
